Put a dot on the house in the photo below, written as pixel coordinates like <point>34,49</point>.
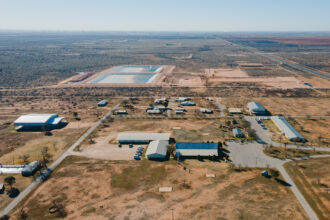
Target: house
<point>196,149</point>
<point>287,129</point>
<point>188,103</point>
<point>206,110</point>
<point>102,103</point>
<point>157,150</point>
<point>238,133</point>
<point>235,111</point>
<point>141,138</point>
<point>38,121</point>
<point>121,112</point>
<point>160,101</point>
<point>154,111</point>
<point>256,108</point>
<point>182,99</point>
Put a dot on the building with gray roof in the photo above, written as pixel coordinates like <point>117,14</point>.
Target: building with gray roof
<point>141,138</point>
<point>256,108</point>
<point>287,129</point>
<point>157,150</point>
<point>196,149</point>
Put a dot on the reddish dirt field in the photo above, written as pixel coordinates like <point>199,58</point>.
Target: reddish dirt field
<point>324,40</point>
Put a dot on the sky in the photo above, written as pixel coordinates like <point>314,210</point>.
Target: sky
<point>165,15</point>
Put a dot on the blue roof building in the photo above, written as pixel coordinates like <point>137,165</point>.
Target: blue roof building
<point>238,133</point>
<point>196,149</point>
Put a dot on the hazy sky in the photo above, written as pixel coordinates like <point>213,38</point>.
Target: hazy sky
<point>166,15</point>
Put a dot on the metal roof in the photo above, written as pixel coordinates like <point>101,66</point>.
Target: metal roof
<point>195,149</point>
<point>103,102</point>
<point>289,131</point>
<point>35,118</point>
<point>157,147</point>
<point>237,131</point>
<point>143,136</point>
<point>256,107</point>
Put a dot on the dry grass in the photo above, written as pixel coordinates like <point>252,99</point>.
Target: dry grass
<point>282,153</point>
<point>313,179</point>
<point>94,189</point>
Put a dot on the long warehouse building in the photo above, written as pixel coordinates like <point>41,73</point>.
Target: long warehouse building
<point>38,121</point>
<point>196,149</point>
<point>287,129</point>
<point>141,138</point>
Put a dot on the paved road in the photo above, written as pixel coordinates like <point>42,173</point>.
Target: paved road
<point>252,155</point>
<point>282,61</point>
<point>36,182</point>
<point>264,136</point>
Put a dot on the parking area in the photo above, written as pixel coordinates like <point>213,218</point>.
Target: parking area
<point>104,150</point>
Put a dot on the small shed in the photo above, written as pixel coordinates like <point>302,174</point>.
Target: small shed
<point>206,110</point>
<point>182,99</point>
<point>157,150</point>
<point>238,133</point>
<point>102,103</point>
<point>188,103</point>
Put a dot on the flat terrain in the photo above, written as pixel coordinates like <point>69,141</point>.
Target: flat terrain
<point>16,144</point>
<point>126,191</point>
<point>313,180</point>
<point>285,106</point>
<point>21,184</point>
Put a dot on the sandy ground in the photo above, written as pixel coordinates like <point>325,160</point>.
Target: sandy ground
<point>231,195</point>
<point>193,81</point>
<point>225,73</point>
<point>102,149</point>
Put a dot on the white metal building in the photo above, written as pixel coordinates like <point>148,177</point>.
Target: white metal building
<point>256,108</point>
<point>141,138</point>
<point>38,120</point>
<point>287,129</point>
<point>157,150</point>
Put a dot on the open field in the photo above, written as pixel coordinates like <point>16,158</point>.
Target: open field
<point>315,130</point>
<point>21,184</point>
<point>16,144</point>
<point>313,179</point>
<point>120,190</point>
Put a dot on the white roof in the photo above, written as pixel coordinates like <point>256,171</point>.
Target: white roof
<point>235,110</point>
<point>35,118</point>
<point>57,120</point>
<point>143,136</point>
<point>157,147</point>
<point>286,128</point>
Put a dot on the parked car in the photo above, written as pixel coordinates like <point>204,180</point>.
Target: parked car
<point>136,157</point>
<point>141,148</point>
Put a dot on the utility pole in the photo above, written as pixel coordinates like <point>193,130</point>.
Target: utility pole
<point>172,213</point>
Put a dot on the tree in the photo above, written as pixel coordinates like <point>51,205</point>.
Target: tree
<point>274,173</point>
<point>5,217</point>
<point>10,180</point>
<point>45,154</point>
<point>75,115</point>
